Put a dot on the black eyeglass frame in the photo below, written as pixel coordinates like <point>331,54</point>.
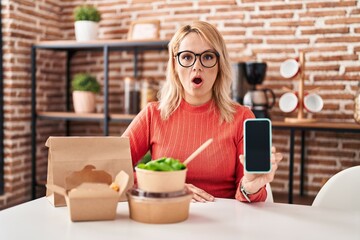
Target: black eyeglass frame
<point>198,54</point>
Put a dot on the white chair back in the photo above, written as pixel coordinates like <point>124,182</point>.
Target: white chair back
<point>341,191</point>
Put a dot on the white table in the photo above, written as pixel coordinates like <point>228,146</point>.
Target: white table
<point>222,219</point>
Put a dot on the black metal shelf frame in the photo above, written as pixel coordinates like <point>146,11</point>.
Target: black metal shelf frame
<point>71,49</point>
<point>303,130</point>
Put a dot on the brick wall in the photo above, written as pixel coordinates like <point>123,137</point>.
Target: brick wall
<point>24,23</point>
<point>255,30</point>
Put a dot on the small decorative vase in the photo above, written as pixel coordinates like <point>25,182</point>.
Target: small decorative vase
<point>86,31</point>
<point>84,102</point>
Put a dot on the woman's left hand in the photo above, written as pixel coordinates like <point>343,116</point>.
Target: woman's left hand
<point>199,195</point>
<point>253,182</point>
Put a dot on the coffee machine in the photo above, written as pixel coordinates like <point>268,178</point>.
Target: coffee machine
<point>239,85</point>
<point>259,100</point>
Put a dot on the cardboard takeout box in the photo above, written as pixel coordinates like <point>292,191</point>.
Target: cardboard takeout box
<point>88,194</point>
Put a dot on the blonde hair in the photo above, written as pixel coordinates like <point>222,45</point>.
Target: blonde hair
<point>172,91</point>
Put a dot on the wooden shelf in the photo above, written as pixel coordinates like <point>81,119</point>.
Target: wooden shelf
<point>123,118</point>
<point>318,125</point>
<point>114,44</point>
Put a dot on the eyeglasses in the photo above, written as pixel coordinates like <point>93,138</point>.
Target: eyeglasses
<point>207,59</point>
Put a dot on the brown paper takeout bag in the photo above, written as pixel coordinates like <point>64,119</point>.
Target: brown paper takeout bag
<point>69,154</point>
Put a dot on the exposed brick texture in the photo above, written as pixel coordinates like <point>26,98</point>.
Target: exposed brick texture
<point>254,30</point>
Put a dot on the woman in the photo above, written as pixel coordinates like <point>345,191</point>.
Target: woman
<point>194,105</point>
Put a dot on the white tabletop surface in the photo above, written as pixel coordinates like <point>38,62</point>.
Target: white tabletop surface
<point>223,219</point>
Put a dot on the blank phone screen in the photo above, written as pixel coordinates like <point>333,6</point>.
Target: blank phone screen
<point>257,146</point>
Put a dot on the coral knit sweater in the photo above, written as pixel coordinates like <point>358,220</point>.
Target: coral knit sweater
<point>217,170</point>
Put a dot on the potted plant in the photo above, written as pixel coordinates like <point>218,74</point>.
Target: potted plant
<point>84,87</point>
<point>87,20</point>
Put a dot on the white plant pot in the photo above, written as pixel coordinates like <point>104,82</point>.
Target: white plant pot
<point>84,102</point>
<point>86,30</point>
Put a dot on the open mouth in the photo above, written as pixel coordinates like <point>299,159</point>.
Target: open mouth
<point>197,81</point>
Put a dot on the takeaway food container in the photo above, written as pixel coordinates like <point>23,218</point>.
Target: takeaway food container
<point>160,181</point>
<point>149,207</point>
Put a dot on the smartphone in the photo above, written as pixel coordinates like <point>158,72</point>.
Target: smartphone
<point>257,145</point>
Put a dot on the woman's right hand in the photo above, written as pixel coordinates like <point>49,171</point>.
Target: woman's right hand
<point>199,195</point>
<point>254,182</point>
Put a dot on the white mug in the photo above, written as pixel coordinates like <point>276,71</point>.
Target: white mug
<point>313,102</point>
<point>288,102</point>
<point>289,68</point>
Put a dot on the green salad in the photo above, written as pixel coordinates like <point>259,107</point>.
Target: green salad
<point>163,164</point>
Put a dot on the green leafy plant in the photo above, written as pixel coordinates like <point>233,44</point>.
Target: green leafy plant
<point>163,164</point>
<point>85,82</point>
<point>87,13</point>
<point>146,158</point>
